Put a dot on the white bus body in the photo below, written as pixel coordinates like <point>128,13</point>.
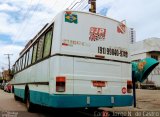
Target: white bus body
<point>88,66</point>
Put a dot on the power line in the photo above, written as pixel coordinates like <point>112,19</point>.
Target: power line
<point>52,6</point>
<point>65,5</point>
<point>24,17</point>
<point>81,4</point>
<point>35,8</point>
<point>85,7</point>
<point>71,4</point>
<point>42,20</point>
<point>76,3</point>
<point>27,12</point>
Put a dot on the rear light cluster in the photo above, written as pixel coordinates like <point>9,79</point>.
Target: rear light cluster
<point>60,84</point>
<point>129,86</point>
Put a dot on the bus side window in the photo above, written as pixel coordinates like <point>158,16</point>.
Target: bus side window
<point>14,69</point>
<point>40,48</point>
<point>26,63</point>
<point>47,44</point>
<point>17,65</point>
<point>19,62</point>
<point>23,63</point>
<point>34,53</point>
<point>30,56</point>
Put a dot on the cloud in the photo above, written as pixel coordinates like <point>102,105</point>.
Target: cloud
<point>33,15</point>
<point>7,7</point>
<point>139,14</point>
<point>5,26</point>
<point>22,19</point>
<point>8,49</point>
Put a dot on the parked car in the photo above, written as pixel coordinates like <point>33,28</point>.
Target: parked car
<point>8,87</point>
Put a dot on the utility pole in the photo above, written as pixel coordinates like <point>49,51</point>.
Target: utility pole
<point>9,68</point>
<point>93,6</point>
<point>2,74</point>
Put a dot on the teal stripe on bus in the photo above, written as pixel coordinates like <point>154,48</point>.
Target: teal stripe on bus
<point>19,92</point>
<point>76,101</point>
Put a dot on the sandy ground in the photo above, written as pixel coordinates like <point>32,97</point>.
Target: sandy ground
<point>7,102</point>
<point>147,100</point>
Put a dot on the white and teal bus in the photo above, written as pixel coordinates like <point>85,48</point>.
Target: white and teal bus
<point>78,60</point>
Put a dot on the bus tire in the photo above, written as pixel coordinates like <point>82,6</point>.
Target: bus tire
<point>29,105</point>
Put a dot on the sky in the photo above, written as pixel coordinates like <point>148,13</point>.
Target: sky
<point>20,20</point>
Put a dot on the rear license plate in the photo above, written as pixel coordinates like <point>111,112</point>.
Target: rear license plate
<point>99,83</point>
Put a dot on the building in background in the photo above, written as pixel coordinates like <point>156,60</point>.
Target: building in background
<point>5,75</point>
<point>1,79</point>
<point>132,34</point>
<point>148,48</point>
<point>0,74</point>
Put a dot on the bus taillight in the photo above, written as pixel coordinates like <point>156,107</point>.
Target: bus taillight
<point>129,86</point>
<point>60,83</point>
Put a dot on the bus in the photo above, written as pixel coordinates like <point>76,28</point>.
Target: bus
<point>79,60</point>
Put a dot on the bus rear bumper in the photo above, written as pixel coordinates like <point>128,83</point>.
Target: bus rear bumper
<point>78,101</point>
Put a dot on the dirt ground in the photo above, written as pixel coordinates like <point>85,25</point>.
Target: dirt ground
<point>147,100</point>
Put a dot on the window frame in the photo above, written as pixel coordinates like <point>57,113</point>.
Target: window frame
<point>27,56</point>
<point>35,45</point>
<point>30,55</point>
<point>23,62</point>
<point>52,31</point>
<point>41,37</point>
<point>31,48</point>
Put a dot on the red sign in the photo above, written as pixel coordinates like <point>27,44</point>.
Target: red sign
<point>124,90</point>
<point>99,84</point>
<point>121,28</point>
<point>97,34</point>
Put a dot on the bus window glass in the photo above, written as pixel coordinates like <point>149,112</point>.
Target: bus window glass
<point>15,68</point>
<point>19,64</point>
<point>24,57</point>
<point>47,44</point>
<point>26,63</point>
<point>30,56</point>
<point>40,48</point>
<point>34,53</point>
